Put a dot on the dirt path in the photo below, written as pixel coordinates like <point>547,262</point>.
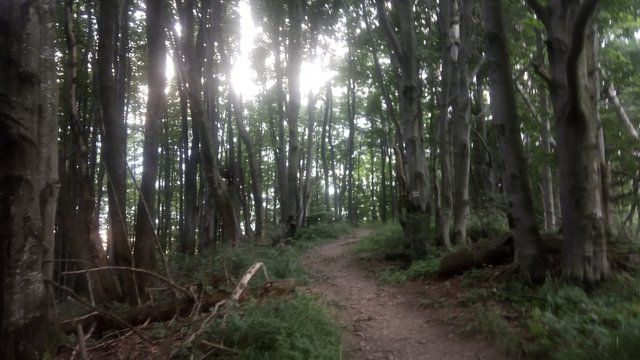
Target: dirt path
<point>384,322</point>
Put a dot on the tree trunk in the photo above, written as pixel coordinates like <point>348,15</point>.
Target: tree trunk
<point>28,176</point>
<point>323,147</point>
<point>529,257</point>
<point>444,142</point>
<point>146,214</point>
<point>412,173</point>
<point>294,65</point>
<point>584,256</point>
<point>547,175</point>
<point>114,145</point>
<point>308,180</point>
<point>351,121</point>
<point>460,118</point>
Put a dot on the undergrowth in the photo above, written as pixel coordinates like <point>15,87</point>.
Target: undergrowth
<point>296,326</point>
<point>562,321</point>
<point>386,242</point>
<point>553,321</point>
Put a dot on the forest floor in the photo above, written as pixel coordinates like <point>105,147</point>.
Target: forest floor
<point>383,321</point>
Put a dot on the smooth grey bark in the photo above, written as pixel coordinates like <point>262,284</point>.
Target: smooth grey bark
<point>308,178</point>
<point>444,139</point>
<point>459,34</point>
<point>28,176</point>
<point>584,255</point>
<point>351,124</point>
<point>411,165</point>
<point>528,257</point>
<point>547,175</point>
<point>323,147</point>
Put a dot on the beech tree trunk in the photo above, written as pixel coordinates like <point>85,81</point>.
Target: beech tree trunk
<point>574,98</point>
<point>444,142</point>
<point>528,254</point>
<point>294,65</point>
<point>351,123</point>
<point>323,147</point>
<point>460,118</point>
<point>308,178</point>
<point>411,164</point>
<point>28,176</point>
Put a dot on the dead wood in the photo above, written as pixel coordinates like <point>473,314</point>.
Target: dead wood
<point>277,287</point>
<point>245,279</point>
<point>139,314</point>
<point>493,251</point>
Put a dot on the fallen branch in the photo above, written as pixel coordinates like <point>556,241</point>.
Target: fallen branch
<point>140,314</point>
<point>623,118</point>
<point>245,279</point>
<point>105,315</point>
<point>219,346</point>
<point>126,268</point>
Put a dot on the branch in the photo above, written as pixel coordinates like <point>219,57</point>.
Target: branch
<point>622,115</point>
<point>103,313</point>
<point>537,61</point>
<point>476,69</point>
<point>147,272</point>
<point>484,144</point>
<point>534,112</point>
<point>577,47</point>
<point>541,12</point>
<point>245,279</point>
<point>396,50</point>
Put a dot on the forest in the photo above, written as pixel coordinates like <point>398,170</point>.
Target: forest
<point>190,179</point>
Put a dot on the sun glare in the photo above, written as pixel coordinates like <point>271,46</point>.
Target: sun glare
<point>313,76</point>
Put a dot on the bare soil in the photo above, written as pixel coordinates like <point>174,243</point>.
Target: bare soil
<point>387,321</point>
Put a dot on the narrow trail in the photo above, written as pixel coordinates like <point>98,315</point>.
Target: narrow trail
<point>380,321</point>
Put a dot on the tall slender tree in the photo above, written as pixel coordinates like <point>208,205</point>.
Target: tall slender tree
<point>411,164</point>
<point>146,214</point>
<point>529,256</point>
<point>114,144</point>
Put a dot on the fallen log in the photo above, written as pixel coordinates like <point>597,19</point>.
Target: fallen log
<point>140,314</point>
<point>492,251</point>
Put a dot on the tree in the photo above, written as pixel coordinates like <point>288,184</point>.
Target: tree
<point>413,177</point>
<point>444,142</point>
<point>28,177</point>
<point>529,256</point>
<point>294,64</point>
<point>145,228</point>
<point>78,218</point>
<point>114,144</point>
<point>459,37</point>
<point>574,97</point>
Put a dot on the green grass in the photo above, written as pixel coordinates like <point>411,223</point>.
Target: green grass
<point>386,242</point>
<point>561,321</point>
<point>319,233</point>
<point>296,327</point>
<point>291,327</point>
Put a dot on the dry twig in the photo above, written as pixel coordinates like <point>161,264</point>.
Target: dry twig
<point>104,313</point>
